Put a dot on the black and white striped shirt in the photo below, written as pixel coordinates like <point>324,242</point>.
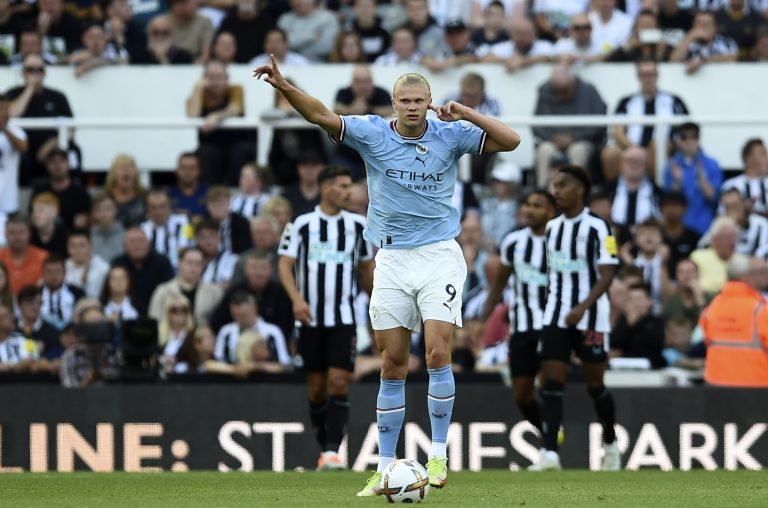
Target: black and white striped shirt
<point>651,273</point>
<point>17,348</point>
<point>714,5</point>
<point>248,205</point>
<point>720,45</point>
<point>576,247</point>
<point>220,269</point>
<point>328,250</point>
<point>750,239</point>
<point>59,305</point>
<point>633,207</point>
<point>664,104</point>
<point>229,335</point>
<point>169,238</point>
<point>754,236</point>
<point>526,254</point>
<point>751,188</point>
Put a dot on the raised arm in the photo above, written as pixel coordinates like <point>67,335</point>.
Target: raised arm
<point>500,137</point>
<point>307,106</point>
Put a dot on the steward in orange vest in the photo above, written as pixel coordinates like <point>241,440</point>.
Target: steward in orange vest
<point>735,327</point>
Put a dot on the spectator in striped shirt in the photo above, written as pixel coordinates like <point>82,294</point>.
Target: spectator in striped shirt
<point>753,228</point>
<point>703,44</point>
<point>97,51</point>
<point>253,192</point>
<point>752,183</point>
<point>167,232</point>
<point>219,264</point>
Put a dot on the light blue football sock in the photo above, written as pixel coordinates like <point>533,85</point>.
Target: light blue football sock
<point>440,395</point>
<point>390,413</point>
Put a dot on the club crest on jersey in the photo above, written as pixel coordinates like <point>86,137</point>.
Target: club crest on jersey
<point>421,149</point>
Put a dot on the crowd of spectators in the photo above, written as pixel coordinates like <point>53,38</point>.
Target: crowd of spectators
<point>437,33</point>
<point>199,256</point>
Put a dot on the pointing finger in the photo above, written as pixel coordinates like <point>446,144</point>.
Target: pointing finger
<point>434,108</point>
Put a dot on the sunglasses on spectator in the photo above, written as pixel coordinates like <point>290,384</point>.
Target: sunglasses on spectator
<point>686,137</point>
<point>34,69</point>
<point>178,310</point>
<point>160,33</point>
<point>582,27</point>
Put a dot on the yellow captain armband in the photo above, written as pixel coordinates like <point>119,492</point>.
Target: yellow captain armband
<point>610,245</point>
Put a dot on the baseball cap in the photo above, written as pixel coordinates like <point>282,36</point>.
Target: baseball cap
<point>506,172</point>
<point>455,26</point>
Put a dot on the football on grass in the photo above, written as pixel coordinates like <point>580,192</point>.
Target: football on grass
<point>405,481</point>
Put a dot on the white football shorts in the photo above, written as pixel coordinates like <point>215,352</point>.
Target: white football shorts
<point>413,285</point>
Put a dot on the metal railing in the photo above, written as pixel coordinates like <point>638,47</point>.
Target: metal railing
<point>267,126</point>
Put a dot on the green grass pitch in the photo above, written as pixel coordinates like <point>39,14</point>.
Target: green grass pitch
<point>488,488</point>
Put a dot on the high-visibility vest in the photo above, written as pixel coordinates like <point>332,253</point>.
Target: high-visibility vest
<point>735,327</point>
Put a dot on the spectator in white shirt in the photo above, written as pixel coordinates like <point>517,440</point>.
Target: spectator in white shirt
<point>523,49</point>
<point>13,142</point>
<point>276,43</point>
<point>579,46</point>
<point>83,268</point>
<point>472,94</point>
<point>610,26</point>
<point>403,49</point>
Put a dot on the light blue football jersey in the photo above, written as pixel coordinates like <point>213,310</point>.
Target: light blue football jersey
<point>410,179</point>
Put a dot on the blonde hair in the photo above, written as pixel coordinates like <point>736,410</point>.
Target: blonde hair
<point>164,327</point>
<point>122,160</point>
<point>411,79</point>
<point>268,209</point>
<point>245,343</point>
<point>46,198</point>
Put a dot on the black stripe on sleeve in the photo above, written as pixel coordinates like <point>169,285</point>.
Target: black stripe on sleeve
<point>481,148</point>
<point>342,132</point>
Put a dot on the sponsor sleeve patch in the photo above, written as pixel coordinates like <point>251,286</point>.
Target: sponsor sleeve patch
<point>610,245</point>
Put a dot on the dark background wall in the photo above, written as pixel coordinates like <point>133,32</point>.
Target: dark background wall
<point>258,426</point>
